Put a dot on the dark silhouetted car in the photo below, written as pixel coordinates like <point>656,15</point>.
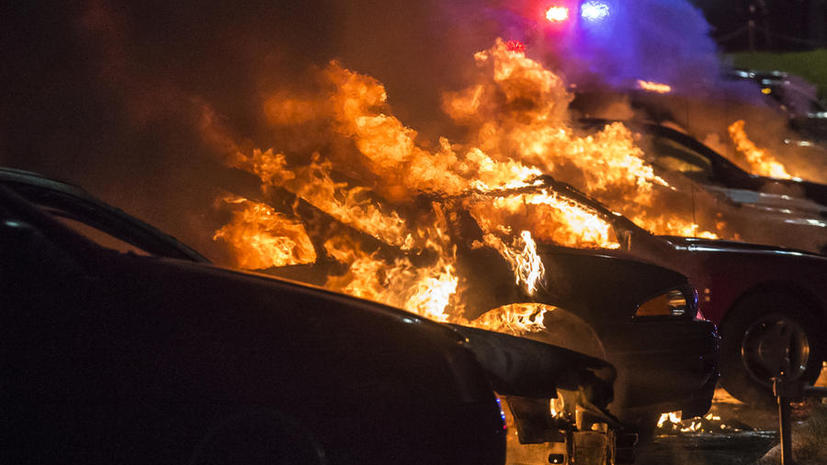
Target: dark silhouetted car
<point>666,360</point>
<point>121,345</point>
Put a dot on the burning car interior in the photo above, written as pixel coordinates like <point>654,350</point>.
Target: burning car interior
<point>505,233</point>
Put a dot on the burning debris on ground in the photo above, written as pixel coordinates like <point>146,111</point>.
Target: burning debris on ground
<point>671,423</point>
<point>735,433</point>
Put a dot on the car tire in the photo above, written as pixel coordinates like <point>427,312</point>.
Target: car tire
<point>259,438</point>
<point>763,334</point>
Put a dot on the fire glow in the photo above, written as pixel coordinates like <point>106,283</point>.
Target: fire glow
<point>368,172</point>
<point>656,87</point>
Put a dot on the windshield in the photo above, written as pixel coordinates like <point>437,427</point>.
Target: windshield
<point>553,212</point>
<point>669,155</point>
<point>96,235</point>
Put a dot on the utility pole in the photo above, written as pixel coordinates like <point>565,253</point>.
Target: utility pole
<point>758,14</point>
<point>751,26</point>
<point>765,23</point>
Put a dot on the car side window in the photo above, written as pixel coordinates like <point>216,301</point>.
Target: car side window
<point>32,266</point>
<point>673,156</point>
<point>94,234</point>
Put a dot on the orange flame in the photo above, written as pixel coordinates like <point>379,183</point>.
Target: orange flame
<point>263,238</point>
<point>515,319</point>
<point>760,161</point>
<point>656,87</point>
<point>527,265</point>
<point>425,290</point>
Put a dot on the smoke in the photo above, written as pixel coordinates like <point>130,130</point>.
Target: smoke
<point>655,40</point>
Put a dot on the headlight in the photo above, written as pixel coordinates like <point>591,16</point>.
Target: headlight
<point>672,303</point>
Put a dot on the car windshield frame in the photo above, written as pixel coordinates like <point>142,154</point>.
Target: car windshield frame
<point>110,220</point>
<point>620,223</point>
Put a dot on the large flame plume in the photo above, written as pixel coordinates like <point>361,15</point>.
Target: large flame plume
<point>386,189</point>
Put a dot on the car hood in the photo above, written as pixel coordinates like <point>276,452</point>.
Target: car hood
<point>514,365</point>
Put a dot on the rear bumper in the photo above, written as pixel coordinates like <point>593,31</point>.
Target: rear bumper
<point>663,366</point>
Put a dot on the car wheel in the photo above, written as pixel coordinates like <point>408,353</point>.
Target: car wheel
<point>763,336</point>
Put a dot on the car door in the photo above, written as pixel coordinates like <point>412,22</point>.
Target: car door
<point>83,381</point>
<point>49,356</point>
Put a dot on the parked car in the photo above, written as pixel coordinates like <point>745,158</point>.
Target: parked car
<point>673,150</point>
<point>122,345</point>
<point>665,362</point>
<point>792,95</point>
<point>783,212</point>
<point>769,303</point>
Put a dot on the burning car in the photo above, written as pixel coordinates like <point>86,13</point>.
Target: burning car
<point>640,317</point>
<point>717,173</point>
<point>123,345</point>
<point>778,211</point>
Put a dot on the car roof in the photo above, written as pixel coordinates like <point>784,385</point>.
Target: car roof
<point>38,181</point>
<point>35,179</point>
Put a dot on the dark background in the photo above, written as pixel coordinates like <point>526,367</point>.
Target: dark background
<point>780,25</point>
